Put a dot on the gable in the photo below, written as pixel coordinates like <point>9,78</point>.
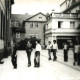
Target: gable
<point>38,17</point>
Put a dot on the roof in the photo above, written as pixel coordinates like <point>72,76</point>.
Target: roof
<point>63,2</point>
<point>20,17</point>
<point>35,15</point>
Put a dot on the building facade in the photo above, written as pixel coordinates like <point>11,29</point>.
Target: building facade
<point>34,26</point>
<point>70,6</point>
<point>18,33</point>
<point>63,28</point>
<point>5,27</point>
<point>18,29</point>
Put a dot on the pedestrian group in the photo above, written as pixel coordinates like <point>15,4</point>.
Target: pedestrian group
<point>28,51</point>
<point>52,48</point>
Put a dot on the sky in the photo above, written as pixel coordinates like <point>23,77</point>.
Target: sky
<point>35,6</point>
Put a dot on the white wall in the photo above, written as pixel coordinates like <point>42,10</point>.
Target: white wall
<point>54,24</point>
<point>66,25</point>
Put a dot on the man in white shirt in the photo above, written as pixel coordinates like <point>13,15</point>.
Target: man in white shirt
<point>55,47</point>
<point>37,54</point>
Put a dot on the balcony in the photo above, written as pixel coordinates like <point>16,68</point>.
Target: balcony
<point>61,15</point>
<point>18,29</point>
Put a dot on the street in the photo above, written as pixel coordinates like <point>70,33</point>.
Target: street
<point>48,70</point>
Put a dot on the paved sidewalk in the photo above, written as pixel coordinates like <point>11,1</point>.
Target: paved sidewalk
<point>48,70</point>
<point>60,58</point>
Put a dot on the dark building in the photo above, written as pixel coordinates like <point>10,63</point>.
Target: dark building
<point>18,29</point>
<point>5,27</point>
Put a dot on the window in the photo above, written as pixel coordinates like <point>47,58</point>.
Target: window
<point>31,25</point>
<point>59,24</point>
<point>36,24</point>
<point>72,24</point>
<point>17,35</point>
<point>40,17</point>
<point>16,24</point>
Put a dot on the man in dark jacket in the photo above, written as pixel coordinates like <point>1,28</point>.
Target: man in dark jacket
<point>14,56</point>
<point>29,50</point>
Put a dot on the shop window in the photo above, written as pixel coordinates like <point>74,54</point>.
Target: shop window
<point>17,35</point>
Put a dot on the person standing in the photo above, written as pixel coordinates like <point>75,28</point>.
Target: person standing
<point>65,52</point>
<point>37,54</point>
<point>14,56</point>
<point>79,55</point>
<point>49,47</point>
<point>29,50</point>
<point>55,47</point>
<point>75,50</point>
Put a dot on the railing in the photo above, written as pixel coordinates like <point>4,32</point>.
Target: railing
<point>61,15</point>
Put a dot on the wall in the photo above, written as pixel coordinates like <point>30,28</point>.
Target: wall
<point>65,24</point>
<point>2,9</point>
<point>35,30</point>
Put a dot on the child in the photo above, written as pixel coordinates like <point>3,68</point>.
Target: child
<point>37,54</point>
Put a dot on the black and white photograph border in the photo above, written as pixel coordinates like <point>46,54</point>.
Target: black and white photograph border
<point>40,39</point>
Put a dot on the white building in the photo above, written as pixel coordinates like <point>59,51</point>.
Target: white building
<point>70,6</point>
<point>62,27</point>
